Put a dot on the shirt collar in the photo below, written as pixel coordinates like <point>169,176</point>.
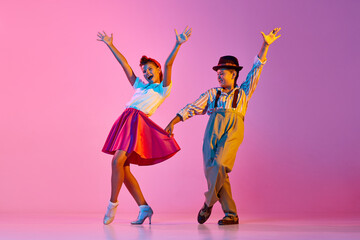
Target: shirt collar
<point>231,92</point>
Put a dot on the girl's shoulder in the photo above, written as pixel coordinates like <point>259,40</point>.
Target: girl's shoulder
<point>139,83</point>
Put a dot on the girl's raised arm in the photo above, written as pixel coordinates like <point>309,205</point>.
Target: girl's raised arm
<point>121,59</point>
<point>180,39</point>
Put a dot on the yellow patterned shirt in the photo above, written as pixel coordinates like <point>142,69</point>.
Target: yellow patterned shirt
<point>206,102</point>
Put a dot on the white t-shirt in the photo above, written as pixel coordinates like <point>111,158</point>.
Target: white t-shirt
<point>148,97</point>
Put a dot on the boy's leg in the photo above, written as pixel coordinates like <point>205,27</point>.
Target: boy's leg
<point>226,200</point>
<point>228,146</point>
<point>219,151</point>
<point>215,176</point>
<point>217,169</point>
<point>213,172</point>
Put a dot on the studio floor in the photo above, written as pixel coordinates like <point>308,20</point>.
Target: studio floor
<point>179,226</point>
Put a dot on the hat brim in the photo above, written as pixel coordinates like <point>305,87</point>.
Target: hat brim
<point>237,68</point>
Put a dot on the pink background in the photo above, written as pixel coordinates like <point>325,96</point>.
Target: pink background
<point>61,91</point>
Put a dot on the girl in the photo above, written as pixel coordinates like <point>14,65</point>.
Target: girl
<point>134,138</point>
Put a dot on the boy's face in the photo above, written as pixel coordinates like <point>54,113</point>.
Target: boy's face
<point>226,77</point>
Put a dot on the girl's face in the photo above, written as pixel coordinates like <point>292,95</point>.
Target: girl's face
<point>226,77</point>
<point>151,72</point>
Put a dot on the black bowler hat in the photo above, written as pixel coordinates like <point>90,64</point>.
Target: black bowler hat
<point>229,62</point>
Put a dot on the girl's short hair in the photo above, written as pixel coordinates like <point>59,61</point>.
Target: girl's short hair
<point>144,60</point>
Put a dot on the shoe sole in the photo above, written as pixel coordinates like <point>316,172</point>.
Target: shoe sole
<point>228,223</point>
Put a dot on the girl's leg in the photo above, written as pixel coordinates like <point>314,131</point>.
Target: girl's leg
<point>117,176</point>
<point>133,186</point>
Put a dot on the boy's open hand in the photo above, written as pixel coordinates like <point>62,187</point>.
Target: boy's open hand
<point>271,37</point>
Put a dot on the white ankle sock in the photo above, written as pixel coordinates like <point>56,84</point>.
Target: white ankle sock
<point>112,205</point>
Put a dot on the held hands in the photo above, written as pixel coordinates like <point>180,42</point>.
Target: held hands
<point>183,37</point>
<point>105,38</point>
<point>169,129</point>
<point>271,37</point>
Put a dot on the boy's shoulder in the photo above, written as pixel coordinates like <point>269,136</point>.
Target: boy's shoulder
<point>214,89</point>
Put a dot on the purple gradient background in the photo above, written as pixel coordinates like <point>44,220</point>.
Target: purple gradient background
<point>61,90</point>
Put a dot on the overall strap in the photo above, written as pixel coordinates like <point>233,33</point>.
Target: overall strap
<point>236,95</point>
<point>217,98</point>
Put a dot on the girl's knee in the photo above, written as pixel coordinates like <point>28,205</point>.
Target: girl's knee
<point>119,159</point>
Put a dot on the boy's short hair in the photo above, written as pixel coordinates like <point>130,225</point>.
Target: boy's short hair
<point>237,75</point>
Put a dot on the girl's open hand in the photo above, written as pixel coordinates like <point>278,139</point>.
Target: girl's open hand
<point>183,37</point>
<point>271,37</point>
<point>105,38</point>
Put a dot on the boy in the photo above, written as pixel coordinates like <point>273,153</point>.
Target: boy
<point>224,133</point>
